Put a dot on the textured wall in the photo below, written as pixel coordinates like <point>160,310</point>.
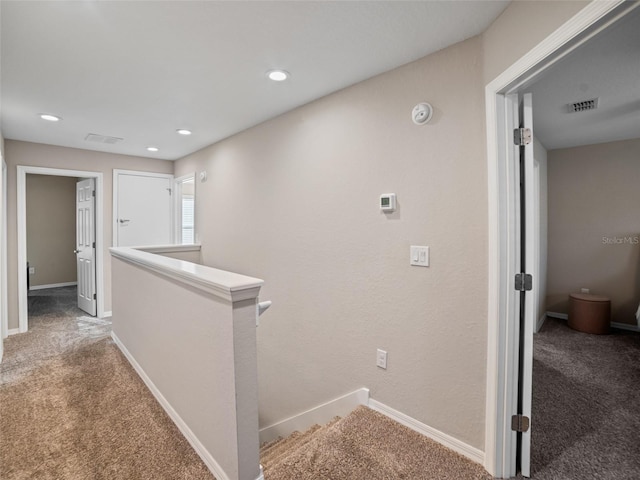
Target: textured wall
<point>38,155</point>
<point>520,28</point>
<point>541,219</point>
<point>51,229</point>
<point>213,347</point>
<point>594,225</point>
<point>295,201</point>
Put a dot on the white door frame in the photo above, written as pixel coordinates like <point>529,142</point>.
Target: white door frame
<point>22,234</point>
<point>116,173</point>
<point>4,309</point>
<point>177,207</point>
<point>502,343</point>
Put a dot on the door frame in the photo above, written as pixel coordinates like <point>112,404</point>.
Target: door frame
<point>23,317</point>
<point>4,308</point>
<point>177,207</point>
<point>116,173</point>
<point>502,341</point>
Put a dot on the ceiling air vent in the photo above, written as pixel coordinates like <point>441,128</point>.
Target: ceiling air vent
<point>583,106</point>
<point>93,137</point>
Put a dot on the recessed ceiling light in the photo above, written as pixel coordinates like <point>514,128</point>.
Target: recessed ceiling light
<point>184,131</point>
<point>152,149</point>
<point>49,117</point>
<point>278,75</point>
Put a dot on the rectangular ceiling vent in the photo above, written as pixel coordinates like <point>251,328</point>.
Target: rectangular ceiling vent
<point>93,137</point>
<point>583,106</point>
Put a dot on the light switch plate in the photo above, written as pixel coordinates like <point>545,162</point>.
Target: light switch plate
<point>419,256</point>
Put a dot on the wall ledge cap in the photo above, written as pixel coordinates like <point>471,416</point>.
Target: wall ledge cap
<point>230,286</point>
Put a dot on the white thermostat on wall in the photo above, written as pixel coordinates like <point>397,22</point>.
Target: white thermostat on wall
<point>388,202</point>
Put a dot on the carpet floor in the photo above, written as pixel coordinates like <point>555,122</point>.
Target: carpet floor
<point>72,408</point>
<point>365,445</point>
<point>586,397</point>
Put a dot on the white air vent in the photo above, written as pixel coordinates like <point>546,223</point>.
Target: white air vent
<point>93,137</point>
<point>583,106</point>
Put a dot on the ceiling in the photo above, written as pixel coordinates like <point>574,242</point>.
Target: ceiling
<point>141,70</point>
<point>608,68</point>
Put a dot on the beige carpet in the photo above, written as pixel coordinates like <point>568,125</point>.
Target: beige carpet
<point>365,445</point>
<point>71,407</point>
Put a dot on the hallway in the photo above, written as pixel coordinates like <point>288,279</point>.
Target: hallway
<point>73,408</point>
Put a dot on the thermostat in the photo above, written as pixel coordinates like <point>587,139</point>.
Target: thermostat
<point>388,202</point>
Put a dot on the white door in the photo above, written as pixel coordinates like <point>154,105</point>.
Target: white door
<point>142,209</point>
<point>526,283</point>
<point>86,245</point>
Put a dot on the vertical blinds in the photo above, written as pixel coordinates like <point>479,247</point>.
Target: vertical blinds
<point>187,218</point>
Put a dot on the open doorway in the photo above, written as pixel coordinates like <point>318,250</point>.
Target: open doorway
<point>585,385</point>
<point>60,221</point>
<point>93,242</point>
<point>506,345</point>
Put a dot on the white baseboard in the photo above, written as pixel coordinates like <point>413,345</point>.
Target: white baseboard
<point>108,314</point>
<point>204,454</point>
<point>318,415</point>
<point>540,323</point>
<point>620,326</point>
<point>448,441</point>
<point>13,331</point>
<point>625,326</point>
<point>53,285</point>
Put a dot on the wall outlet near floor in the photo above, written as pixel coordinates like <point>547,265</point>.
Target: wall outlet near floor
<point>381,359</point>
<point>32,270</point>
<point>584,290</point>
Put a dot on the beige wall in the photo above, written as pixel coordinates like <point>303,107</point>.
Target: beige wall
<point>211,383</point>
<point>296,203</point>
<point>541,219</point>
<point>51,229</point>
<point>33,154</point>
<point>521,26</point>
<point>594,225</point>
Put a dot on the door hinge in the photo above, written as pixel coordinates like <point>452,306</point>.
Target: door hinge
<point>522,136</point>
<point>93,193</point>
<point>524,282</point>
<point>519,423</point>
<point>95,296</point>
<point>94,244</point>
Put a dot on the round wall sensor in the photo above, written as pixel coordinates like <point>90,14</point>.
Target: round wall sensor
<point>421,113</point>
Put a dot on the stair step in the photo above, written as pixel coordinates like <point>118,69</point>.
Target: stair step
<point>277,451</point>
<point>366,444</point>
<point>289,444</point>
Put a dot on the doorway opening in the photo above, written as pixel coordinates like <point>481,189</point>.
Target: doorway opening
<point>96,220</point>
<point>504,355</point>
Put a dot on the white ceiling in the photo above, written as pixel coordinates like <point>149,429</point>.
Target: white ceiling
<point>607,67</point>
<point>141,70</point>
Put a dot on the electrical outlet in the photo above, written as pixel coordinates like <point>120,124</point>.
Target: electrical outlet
<point>32,270</point>
<point>381,359</point>
<point>584,290</point>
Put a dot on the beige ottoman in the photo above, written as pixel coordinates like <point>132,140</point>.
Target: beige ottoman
<point>589,313</point>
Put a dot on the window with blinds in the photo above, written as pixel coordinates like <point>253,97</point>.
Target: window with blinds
<point>185,209</point>
<point>188,204</point>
